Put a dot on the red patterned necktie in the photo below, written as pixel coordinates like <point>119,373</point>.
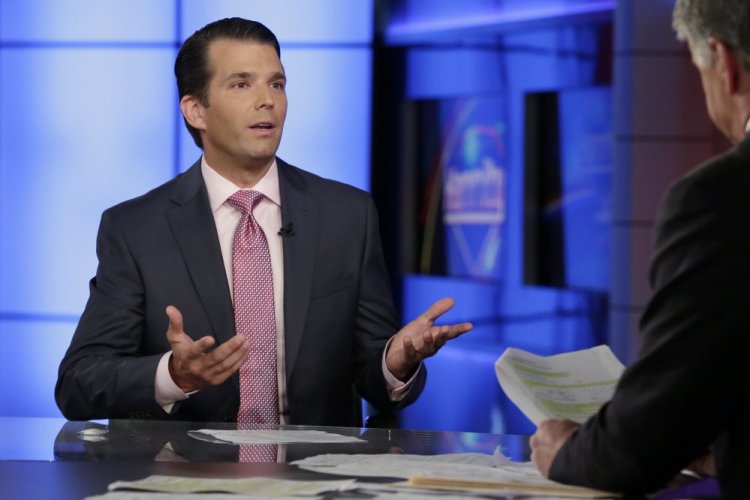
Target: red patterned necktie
<point>254,317</point>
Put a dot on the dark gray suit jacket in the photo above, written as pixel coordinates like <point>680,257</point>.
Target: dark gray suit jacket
<point>162,248</point>
<point>689,388</point>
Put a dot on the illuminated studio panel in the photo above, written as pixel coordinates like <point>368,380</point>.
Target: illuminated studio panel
<point>586,155</point>
<point>43,21</point>
<point>328,123</point>
<point>509,312</point>
<point>472,72</point>
<point>31,353</point>
<point>292,21</point>
<point>79,133</point>
<point>446,21</point>
<point>15,437</point>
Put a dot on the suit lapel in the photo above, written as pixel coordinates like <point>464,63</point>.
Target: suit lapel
<point>298,209</point>
<point>194,230</point>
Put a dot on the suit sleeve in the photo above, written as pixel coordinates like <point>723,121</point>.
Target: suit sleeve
<point>688,382</point>
<point>103,374</point>
<point>377,321</point>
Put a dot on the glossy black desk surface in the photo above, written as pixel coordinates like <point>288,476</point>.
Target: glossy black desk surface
<point>53,458</point>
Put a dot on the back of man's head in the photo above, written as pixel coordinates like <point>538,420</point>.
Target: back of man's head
<point>728,20</point>
<point>191,68</point>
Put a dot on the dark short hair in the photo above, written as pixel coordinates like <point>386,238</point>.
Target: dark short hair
<point>191,67</point>
<point>728,20</point>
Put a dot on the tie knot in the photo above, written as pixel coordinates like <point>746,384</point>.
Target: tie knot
<point>245,200</point>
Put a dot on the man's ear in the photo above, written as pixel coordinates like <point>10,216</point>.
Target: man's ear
<point>727,64</point>
<point>192,110</point>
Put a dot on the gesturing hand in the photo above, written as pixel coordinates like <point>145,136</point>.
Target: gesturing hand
<point>191,366</point>
<point>419,339</point>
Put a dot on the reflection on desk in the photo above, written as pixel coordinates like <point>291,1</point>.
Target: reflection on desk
<point>54,458</point>
<point>148,440</point>
<point>77,459</point>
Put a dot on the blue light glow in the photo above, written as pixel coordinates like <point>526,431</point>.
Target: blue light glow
<point>310,22</point>
<point>79,133</point>
<point>87,20</point>
<point>443,20</point>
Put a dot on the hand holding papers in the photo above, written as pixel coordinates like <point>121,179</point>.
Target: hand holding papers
<point>568,386</point>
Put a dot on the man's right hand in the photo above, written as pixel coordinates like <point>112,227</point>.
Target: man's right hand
<point>193,368</point>
<point>550,435</point>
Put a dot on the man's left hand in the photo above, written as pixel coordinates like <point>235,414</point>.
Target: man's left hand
<point>420,339</point>
<point>547,440</point>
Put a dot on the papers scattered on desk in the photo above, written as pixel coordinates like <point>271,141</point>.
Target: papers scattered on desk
<point>451,472</point>
<point>569,386</point>
<point>152,495</point>
<point>510,488</point>
<point>455,465</point>
<point>407,491</point>
<point>263,436</point>
<point>400,466</point>
<point>253,486</point>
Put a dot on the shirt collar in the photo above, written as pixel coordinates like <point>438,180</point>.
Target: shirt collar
<point>220,188</point>
<point>747,126</point>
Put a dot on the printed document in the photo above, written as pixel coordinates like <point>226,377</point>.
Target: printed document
<point>464,472</point>
<point>403,466</point>
<point>257,486</point>
<point>270,436</point>
<point>571,386</point>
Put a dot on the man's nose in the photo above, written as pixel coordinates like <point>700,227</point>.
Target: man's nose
<point>264,98</point>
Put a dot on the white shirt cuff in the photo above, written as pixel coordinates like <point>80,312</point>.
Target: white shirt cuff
<point>167,392</point>
<point>397,390</point>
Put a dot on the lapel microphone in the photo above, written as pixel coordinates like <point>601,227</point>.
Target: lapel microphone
<point>287,230</point>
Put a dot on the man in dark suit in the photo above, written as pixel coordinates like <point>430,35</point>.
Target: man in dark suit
<point>688,391</point>
<point>170,251</point>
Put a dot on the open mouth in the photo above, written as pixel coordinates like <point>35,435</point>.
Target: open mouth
<point>262,126</point>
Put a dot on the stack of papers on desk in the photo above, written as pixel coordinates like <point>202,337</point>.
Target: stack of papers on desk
<point>472,473</point>
<point>570,386</point>
<point>270,436</point>
<point>402,466</point>
<point>182,487</point>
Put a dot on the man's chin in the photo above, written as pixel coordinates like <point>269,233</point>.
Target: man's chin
<point>263,152</point>
<point>256,159</point>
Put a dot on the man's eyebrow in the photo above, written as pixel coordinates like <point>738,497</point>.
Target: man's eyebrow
<point>243,75</point>
<point>247,74</point>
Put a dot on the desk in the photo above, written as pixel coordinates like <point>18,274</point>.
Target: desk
<point>47,458</point>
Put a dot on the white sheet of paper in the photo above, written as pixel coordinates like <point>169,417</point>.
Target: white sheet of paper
<point>336,459</point>
<point>152,495</point>
<point>271,436</point>
<point>572,386</point>
<point>257,486</point>
<point>454,465</point>
<point>404,491</point>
